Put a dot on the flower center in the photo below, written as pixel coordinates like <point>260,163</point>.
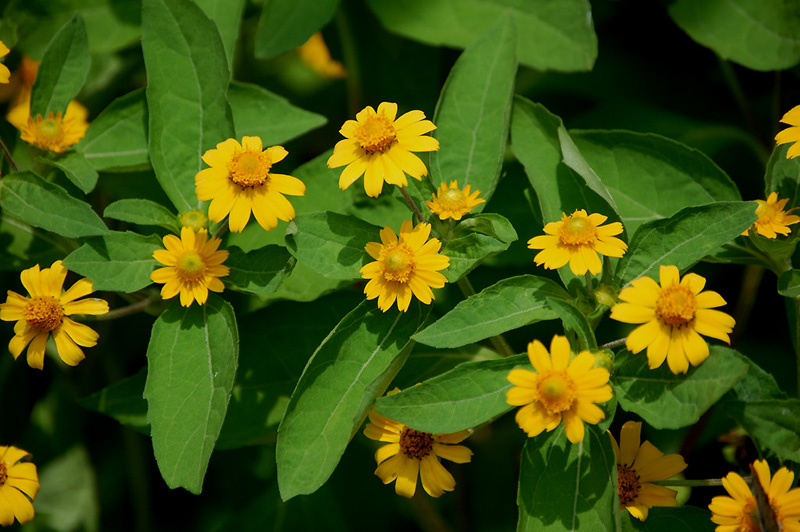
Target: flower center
<point>51,129</point>
<point>249,169</point>
<point>191,266</point>
<point>627,484</point>
<point>577,231</point>
<point>751,521</point>
<point>452,199</point>
<point>398,264</point>
<point>44,313</point>
<point>676,305</point>
<point>556,391</point>
<point>415,444</point>
<point>3,473</point>
<point>376,134</point>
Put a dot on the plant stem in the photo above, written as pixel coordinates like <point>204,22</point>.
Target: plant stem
<point>694,483</point>
<point>613,343</point>
<point>125,311</point>
<point>498,342</point>
<point>412,205</point>
<point>741,100</point>
<point>8,156</point>
<point>222,229</point>
<point>350,59</point>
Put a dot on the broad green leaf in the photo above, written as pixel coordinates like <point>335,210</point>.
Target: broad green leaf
<point>304,284</point>
<point>553,34</point>
<point>348,371</point>
<point>191,363</point>
<point>28,198</point>
<point>143,212</point>
<point>331,244</point>
<point>783,176</point>
<point>772,423</point>
<point>759,34</point>
<point>652,177</point>
<point>789,283</point>
<point>426,362</point>
<point>63,70</point>
<point>504,306</point>
<point>227,15</point>
<point>684,238</point>
<point>575,322</point>
<point>119,262</point>
<point>23,244</point>
<point>187,77</point>
<point>469,395</point>
<point>490,234</point>
<point>474,111</point>
<point>663,519</point>
<point>260,271</point>
<point>668,401</point>
<point>756,384</point>
<point>261,113</point>
<point>122,401</point>
<point>68,498</point>
<point>117,138</point>
<point>76,168</point>
<point>567,487</point>
<point>286,24</point>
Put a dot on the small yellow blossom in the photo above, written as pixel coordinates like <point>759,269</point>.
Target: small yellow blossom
<point>54,133</point>
<point>5,73</point>
<point>196,219</point>
<point>451,202</point>
<point>772,219</point>
<point>790,134</point>
<point>316,55</point>
<point>19,484</point>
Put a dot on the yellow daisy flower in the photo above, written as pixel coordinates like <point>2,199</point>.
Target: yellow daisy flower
<point>379,146</point>
<point>411,453</point>
<point>194,266</point>
<point>638,466</point>
<point>790,134</point>
<point>19,484</point>
<point>558,389</point>
<point>5,73</point>
<point>577,239</point>
<point>240,182</point>
<point>452,202</point>
<point>55,133</point>
<point>315,54</point>
<point>741,512</point>
<point>47,311</point>
<point>674,315</point>
<point>404,266</point>
<point>772,219</point>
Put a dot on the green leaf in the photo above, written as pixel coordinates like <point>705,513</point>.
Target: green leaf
<point>187,77</point>
<point>574,321</point>
<point>119,262</point>
<point>286,24</point>
<point>469,395</point>
<point>68,498</point>
<point>773,424</point>
<point>117,138</point>
<point>504,306</point>
<point>663,519</point>
<point>783,176</point>
<point>260,271</point>
<point>122,401</point>
<point>668,401</point>
<point>331,244</point>
<point>28,198</point>
<point>552,35</point>
<point>63,70</point>
<point>789,283</point>
<point>191,363</point>
<point>759,34</point>
<point>76,168</point>
<point>564,485</point>
<point>491,234</point>
<point>143,212</point>
<point>227,15</point>
<point>756,384</point>
<point>351,368</point>
<point>261,113</point>
<point>474,111</point>
<point>684,238</point>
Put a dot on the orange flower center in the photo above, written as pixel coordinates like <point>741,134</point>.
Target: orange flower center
<point>191,266</point>
<point>3,473</point>
<point>50,129</point>
<point>577,231</point>
<point>556,391</point>
<point>415,444</point>
<point>249,168</point>
<point>398,264</point>
<point>44,313</point>
<point>375,134</point>
<point>676,305</point>
<point>627,484</point>
<point>452,199</point>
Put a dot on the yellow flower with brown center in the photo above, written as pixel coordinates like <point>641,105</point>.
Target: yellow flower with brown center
<point>404,266</point>
<point>674,315</point>
<point>19,484</point>
<point>452,202</point>
<point>411,453</point>
<point>5,73</point>
<point>379,147</point>
<point>194,266</point>
<point>772,219</point>
<point>640,465</point>
<point>47,311</point>
<point>577,239</point>
<point>315,54</point>
<point>790,134</point>
<point>558,389</point>
<point>742,511</point>
<point>240,182</point>
<point>57,132</point>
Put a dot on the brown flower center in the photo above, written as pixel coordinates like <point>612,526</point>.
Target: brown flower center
<point>44,313</point>
<point>3,473</point>
<point>415,444</point>
<point>556,391</point>
<point>50,129</point>
<point>191,266</point>
<point>249,168</point>
<point>627,484</point>
<point>676,305</point>
<point>577,231</point>
<point>375,134</point>
<point>398,264</point>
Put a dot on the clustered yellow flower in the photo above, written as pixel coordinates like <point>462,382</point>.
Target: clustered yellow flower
<point>452,202</point>
<point>772,219</point>
<point>316,55</point>
<point>790,134</point>
<point>19,484</point>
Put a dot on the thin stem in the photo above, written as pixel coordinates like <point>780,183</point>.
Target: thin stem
<point>753,274</point>
<point>589,282</point>
<point>613,343</point>
<point>351,63</point>
<point>413,205</point>
<point>124,311</point>
<point>499,342</point>
<point>741,100</point>
<point>8,156</point>
<point>694,483</point>
<point>222,229</point>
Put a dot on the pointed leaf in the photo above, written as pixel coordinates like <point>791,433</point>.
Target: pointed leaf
<point>286,24</point>
<point>789,283</point>
<point>122,401</point>
<point>574,321</point>
<point>227,15</point>
<point>117,138</point>
<point>76,168</point>
<point>490,234</point>
<point>772,423</point>
<point>260,271</point>
<point>143,212</point>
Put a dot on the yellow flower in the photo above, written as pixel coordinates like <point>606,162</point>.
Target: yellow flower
<point>193,266</point>
<point>195,219</point>
<point>410,453</point>
<point>316,55</point>
<point>772,219</point>
<point>577,239</point>
<point>47,311</point>
<point>790,134</point>
<point>674,315</point>
<point>5,73</point>
<point>239,182</point>
<point>740,513</point>
<point>638,466</point>
<point>55,133</point>
<point>452,202</point>
<point>404,266</point>
<point>380,146</point>
<point>19,484</point>
<point>558,389</point>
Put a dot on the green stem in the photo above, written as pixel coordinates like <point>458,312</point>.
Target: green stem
<point>351,63</point>
<point>589,282</point>
<point>125,311</point>
<point>222,228</point>
<point>498,342</point>
<point>741,100</point>
<point>8,156</point>
<point>613,343</point>
<point>412,204</point>
<point>693,483</point>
